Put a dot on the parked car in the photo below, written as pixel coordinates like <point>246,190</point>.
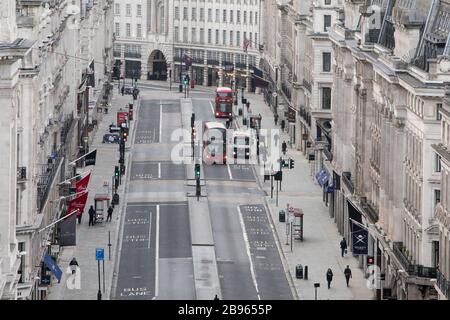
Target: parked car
<point>110,138</point>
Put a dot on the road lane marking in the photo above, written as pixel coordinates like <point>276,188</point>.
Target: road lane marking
<point>159,170</point>
<point>150,230</point>
<point>229,172</point>
<point>247,247</point>
<point>212,107</point>
<point>160,121</point>
<point>157,251</point>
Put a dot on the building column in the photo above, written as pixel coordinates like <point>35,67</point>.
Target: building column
<point>122,60</point>
<point>144,68</point>
<point>205,68</point>
<point>220,69</point>
<point>247,72</point>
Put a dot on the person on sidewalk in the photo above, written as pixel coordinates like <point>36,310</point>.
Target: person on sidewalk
<point>348,274</point>
<point>123,90</point>
<point>275,118</point>
<point>79,214</point>
<point>283,124</point>
<point>91,216</point>
<point>73,265</point>
<point>216,298</point>
<point>343,245</point>
<point>284,147</point>
<point>110,211</point>
<point>329,277</point>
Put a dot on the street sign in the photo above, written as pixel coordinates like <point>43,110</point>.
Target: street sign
<point>99,254</point>
<point>274,94</point>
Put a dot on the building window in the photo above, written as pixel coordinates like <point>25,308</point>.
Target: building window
<point>117,29</point>
<point>185,34</point>
<point>176,34</point>
<point>238,16</point>
<point>245,36</point>
<point>224,15</point>
<point>139,31</point>
<point>139,10</point>
<point>245,17</point>
<point>250,37</point>
<point>209,36</point>
<point>231,38</point>
<point>326,61</point>
<point>117,8</point>
<point>128,29</point>
<point>437,163</point>
<point>231,16</point>
<point>209,15</point>
<point>224,37</point>
<point>438,111</point>
<point>251,17</point>
<point>326,22</point>
<point>217,36</point>
<point>217,15</point>
<point>177,13</point>
<point>327,2</point>
<point>326,98</point>
<point>202,35</point>
<point>194,35</point>
<point>202,14</point>
<point>194,14</point>
<point>256,39</point>
<point>256,17</point>
<point>185,13</point>
<point>238,38</point>
<point>128,10</point>
<point>437,196</point>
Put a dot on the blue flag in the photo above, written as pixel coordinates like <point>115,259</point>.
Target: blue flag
<point>360,240</point>
<point>51,264</point>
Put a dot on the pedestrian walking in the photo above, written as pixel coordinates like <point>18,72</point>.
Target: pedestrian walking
<point>275,118</point>
<point>216,298</point>
<point>329,277</point>
<point>73,265</point>
<point>348,274</point>
<point>91,216</point>
<point>284,147</point>
<point>123,90</point>
<point>79,214</point>
<point>343,245</point>
<point>110,212</point>
<point>283,124</point>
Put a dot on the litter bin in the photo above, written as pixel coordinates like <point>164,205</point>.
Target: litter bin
<point>192,84</point>
<point>180,88</point>
<point>282,216</point>
<point>299,271</point>
<point>306,272</point>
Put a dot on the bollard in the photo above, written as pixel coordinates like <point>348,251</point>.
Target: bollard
<point>305,273</point>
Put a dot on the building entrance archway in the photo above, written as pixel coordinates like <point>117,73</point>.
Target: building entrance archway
<point>157,66</point>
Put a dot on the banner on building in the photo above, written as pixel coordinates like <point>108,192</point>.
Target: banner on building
<point>82,184</point>
<point>90,158</point>
<point>360,239</point>
<point>78,203</point>
<point>53,266</point>
<point>68,231</point>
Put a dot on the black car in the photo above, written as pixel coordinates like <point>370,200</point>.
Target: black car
<point>110,138</point>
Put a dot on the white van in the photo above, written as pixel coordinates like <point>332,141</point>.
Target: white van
<point>241,145</point>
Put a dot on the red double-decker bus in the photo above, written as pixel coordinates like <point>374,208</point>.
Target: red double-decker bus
<point>224,102</point>
<point>214,143</point>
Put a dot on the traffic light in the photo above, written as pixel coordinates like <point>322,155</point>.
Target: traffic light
<point>370,260</point>
<point>197,171</point>
<point>116,172</point>
<point>186,80</point>
<point>198,189</point>
<point>124,133</point>
<point>278,176</point>
<point>192,120</point>
<point>122,169</point>
<point>291,163</point>
<point>284,163</point>
<point>193,132</point>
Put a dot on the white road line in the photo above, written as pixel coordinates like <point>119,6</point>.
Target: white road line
<point>229,172</point>
<point>150,230</point>
<point>160,121</point>
<point>247,247</point>
<point>157,251</point>
<point>159,170</point>
<point>212,107</point>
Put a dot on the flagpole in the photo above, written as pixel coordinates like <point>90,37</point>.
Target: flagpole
<point>366,227</point>
<point>78,175</point>
<point>82,156</point>
<point>53,223</point>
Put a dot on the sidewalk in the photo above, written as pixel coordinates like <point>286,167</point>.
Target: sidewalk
<point>319,249</point>
<point>90,238</point>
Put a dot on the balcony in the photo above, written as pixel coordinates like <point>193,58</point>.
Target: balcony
<point>443,284</point>
<point>21,174</point>
<point>286,90</point>
<point>369,210</point>
<point>46,176</point>
<point>415,270</point>
<point>346,178</point>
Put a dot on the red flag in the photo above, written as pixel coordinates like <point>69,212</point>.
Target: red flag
<point>82,184</point>
<point>78,204</point>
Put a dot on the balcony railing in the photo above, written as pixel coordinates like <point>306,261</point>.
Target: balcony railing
<point>328,154</point>
<point>213,62</point>
<point>443,284</point>
<point>45,179</point>
<point>307,85</point>
<point>21,173</point>
<point>286,90</point>
<point>66,126</point>
<point>370,211</point>
<point>116,53</point>
<point>346,178</point>
<point>412,269</point>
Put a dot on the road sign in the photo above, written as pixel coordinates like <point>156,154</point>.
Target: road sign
<point>274,94</point>
<point>99,254</point>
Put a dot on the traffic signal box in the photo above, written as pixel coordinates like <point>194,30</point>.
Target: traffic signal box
<point>197,171</point>
<point>116,172</point>
<point>193,120</point>
<point>291,163</point>
<point>370,260</point>
<point>186,80</point>
<point>130,111</point>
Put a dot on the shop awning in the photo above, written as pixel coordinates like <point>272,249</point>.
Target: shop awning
<point>322,177</point>
<point>259,82</point>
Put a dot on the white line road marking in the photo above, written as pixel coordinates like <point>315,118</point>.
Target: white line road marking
<point>229,172</point>
<point>247,247</point>
<point>157,251</point>
<point>160,121</point>
<point>212,107</point>
<point>150,230</point>
<point>159,170</point>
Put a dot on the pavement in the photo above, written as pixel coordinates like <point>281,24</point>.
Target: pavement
<point>98,236</point>
<point>320,248</point>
